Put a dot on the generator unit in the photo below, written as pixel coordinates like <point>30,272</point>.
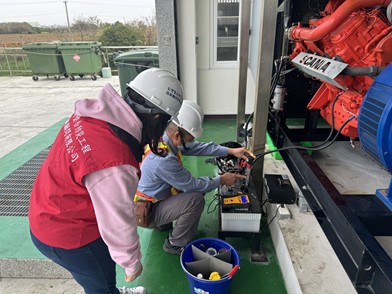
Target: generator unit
<point>344,52</point>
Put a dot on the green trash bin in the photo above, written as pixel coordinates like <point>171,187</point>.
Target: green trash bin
<point>81,58</point>
<point>131,63</point>
<point>45,59</point>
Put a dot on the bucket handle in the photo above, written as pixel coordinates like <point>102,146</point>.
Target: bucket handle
<point>232,272</point>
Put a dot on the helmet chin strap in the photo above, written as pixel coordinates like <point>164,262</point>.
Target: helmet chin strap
<point>142,108</point>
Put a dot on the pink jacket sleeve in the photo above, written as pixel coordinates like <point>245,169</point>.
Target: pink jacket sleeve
<point>112,191</point>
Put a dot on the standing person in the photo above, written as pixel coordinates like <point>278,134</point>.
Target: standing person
<point>175,194</point>
<point>81,208</point>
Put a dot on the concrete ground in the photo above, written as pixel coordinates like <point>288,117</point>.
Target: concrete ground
<point>39,286</point>
<point>28,108</point>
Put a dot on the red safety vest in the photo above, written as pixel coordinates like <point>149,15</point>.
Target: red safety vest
<point>61,211</point>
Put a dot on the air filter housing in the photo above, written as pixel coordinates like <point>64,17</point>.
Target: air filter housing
<point>375,119</point>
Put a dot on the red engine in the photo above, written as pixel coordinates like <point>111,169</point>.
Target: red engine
<point>356,36</point>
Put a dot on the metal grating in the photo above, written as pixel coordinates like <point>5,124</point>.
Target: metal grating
<point>15,188</point>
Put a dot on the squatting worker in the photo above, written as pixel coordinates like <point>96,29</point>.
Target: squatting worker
<point>81,208</point>
<point>175,194</point>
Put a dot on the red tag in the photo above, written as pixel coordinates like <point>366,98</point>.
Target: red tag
<point>76,57</point>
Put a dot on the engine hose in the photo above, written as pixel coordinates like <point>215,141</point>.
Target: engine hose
<point>363,71</point>
<point>334,21</point>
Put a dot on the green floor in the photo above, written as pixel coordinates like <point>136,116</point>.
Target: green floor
<point>162,272</point>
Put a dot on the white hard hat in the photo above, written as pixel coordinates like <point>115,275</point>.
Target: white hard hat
<point>161,88</point>
<point>191,118</point>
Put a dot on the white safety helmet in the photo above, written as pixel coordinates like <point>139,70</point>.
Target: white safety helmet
<point>161,88</point>
<point>191,118</point>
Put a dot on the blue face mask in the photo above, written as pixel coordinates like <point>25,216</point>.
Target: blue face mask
<point>188,145</point>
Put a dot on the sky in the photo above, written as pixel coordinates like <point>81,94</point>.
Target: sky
<point>53,12</point>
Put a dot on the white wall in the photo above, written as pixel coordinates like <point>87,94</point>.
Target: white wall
<point>214,89</point>
<point>167,40</point>
<point>187,59</point>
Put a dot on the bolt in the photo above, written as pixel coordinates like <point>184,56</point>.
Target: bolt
<point>367,267</point>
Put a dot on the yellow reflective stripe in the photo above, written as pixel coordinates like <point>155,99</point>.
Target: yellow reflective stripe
<point>162,145</point>
<point>147,151</point>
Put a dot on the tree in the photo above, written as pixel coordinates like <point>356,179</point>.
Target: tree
<point>147,25</point>
<point>16,28</point>
<point>86,26</point>
<point>119,34</point>
<point>150,30</point>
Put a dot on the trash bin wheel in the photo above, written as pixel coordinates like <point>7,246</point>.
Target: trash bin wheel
<point>35,78</point>
<point>57,78</point>
<point>66,75</point>
<point>72,77</point>
<point>93,77</point>
<point>47,76</point>
<point>81,76</point>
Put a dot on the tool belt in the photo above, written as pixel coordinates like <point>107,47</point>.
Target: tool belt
<point>142,211</point>
<point>144,206</point>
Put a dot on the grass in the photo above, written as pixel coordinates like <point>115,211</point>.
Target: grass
<point>15,63</point>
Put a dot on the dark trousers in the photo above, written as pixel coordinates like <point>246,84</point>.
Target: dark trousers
<point>90,265</point>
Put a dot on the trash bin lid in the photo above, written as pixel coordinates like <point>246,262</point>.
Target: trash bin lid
<point>79,45</point>
<point>138,55</point>
<point>40,45</point>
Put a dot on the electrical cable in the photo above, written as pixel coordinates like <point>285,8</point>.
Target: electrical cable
<point>279,64</point>
<point>212,201</point>
<point>326,143</point>
<point>276,213</point>
<point>332,116</point>
<point>263,203</point>
<point>264,213</point>
<point>332,119</point>
<point>316,148</point>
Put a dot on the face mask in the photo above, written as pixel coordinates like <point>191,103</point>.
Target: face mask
<point>188,145</point>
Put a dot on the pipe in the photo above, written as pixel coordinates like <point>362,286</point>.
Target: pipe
<point>363,71</point>
<point>334,20</point>
<point>377,38</point>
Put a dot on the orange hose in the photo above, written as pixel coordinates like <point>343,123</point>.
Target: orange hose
<point>377,38</point>
<point>334,21</point>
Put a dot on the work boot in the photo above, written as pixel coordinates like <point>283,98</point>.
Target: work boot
<point>165,227</point>
<point>136,290</point>
<point>170,248</point>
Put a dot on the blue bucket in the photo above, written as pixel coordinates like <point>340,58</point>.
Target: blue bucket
<point>205,286</point>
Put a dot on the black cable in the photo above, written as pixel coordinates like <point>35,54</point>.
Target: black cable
<point>263,203</point>
<point>246,128</point>
<point>276,213</point>
<point>332,118</point>
<point>209,205</point>
<point>264,213</point>
<point>279,65</point>
<point>326,143</point>
<point>332,125</point>
<point>316,148</point>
